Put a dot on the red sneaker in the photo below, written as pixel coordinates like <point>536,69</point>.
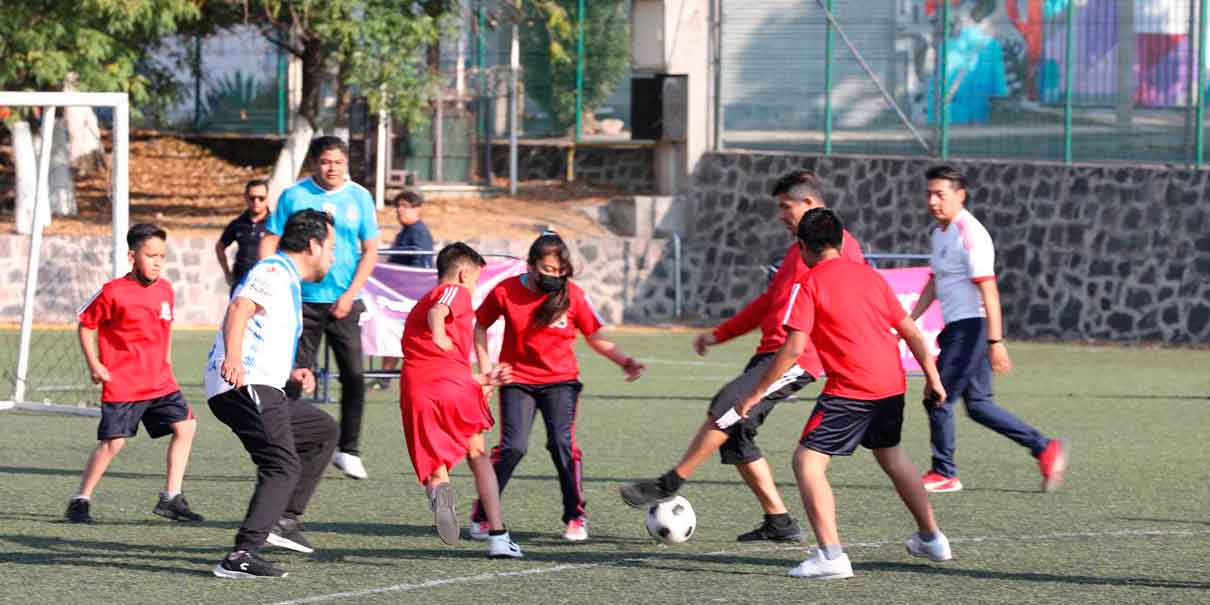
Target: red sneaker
<point>1053,462</point>
<point>937,483</point>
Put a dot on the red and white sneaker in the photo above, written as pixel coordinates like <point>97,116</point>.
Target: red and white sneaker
<point>577,530</point>
<point>480,530</point>
<point>1053,463</point>
<point>939,484</point>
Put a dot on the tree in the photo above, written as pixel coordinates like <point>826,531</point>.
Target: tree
<point>375,47</point>
<point>548,40</point>
<point>90,45</point>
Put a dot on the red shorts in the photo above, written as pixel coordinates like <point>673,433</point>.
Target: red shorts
<point>440,415</point>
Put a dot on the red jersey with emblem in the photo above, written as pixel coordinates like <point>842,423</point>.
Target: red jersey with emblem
<point>420,353</point>
<point>766,310</point>
<point>848,309</point>
<point>134,331</point>
<point>538,354</point>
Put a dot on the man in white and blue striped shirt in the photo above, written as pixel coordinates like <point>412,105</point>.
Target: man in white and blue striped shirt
<point>250,363</point>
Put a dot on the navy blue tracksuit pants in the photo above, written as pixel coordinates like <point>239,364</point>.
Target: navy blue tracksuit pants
<point>966,373</point>
<point>519,404</point>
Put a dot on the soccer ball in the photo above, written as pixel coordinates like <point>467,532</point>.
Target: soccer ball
<point>671,522</point>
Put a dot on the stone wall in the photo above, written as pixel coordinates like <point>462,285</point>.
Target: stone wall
<point>1083,252</point>
<point>627,167</point>
<point>627,279</point>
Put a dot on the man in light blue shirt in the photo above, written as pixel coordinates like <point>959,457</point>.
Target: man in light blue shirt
<point>333,307</point>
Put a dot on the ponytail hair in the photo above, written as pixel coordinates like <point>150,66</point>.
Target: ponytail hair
<point>558,302</point>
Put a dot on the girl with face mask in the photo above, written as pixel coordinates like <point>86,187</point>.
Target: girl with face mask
<point>542,311</point>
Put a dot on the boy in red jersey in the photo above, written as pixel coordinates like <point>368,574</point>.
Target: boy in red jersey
<point>441,401</point>
<point>125,333</point>
<point>839,303</point>
<point>723,430</point>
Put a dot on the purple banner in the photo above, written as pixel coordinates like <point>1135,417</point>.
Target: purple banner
<point>393,290</point>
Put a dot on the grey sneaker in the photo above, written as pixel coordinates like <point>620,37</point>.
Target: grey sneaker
<point>442,504</point>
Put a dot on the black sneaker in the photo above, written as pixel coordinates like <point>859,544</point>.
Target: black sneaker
<point>288,533</point>
<point>176,509</point>
<point>644,493</point>
<point>789,532</point>
<point>77,511</point>
<point>241,565</point>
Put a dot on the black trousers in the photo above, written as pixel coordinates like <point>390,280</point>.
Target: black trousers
<point>291,443</point>
<point>519,404</point>
<point>344,336</point>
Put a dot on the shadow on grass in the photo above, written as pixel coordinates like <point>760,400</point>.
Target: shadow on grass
<point>1158,520</point>
<point>75,472</point>
<point>55,551</point>
<point>151,521</point>
<point>986,574</point>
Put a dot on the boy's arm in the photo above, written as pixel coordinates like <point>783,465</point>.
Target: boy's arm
<point>436,318</point>
<point>796,342</point>
<point>481,353</point>
<point>934,391</point>
<point>268,244</point>
<point>88,344</point>
<point>928,294</point>
<point>238,312</point>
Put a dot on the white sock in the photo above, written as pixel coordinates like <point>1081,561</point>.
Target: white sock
<point>81,497</point>
<point>167,495</point>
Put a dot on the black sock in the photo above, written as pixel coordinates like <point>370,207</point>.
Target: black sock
<point>779,519</point>
<point>497,532</point>
<point>670,482</point>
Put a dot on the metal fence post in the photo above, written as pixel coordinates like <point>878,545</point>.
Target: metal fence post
<point>1199,134</point>
<point>827,85</point>
<point>1068,80</point>
<point>942,96</point>
<point>580,9</point>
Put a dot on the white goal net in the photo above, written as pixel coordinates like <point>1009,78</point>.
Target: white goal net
<point>48,278</point>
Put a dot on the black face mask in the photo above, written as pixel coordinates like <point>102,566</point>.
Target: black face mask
<point>549,283</point>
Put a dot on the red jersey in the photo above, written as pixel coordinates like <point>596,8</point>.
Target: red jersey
<point>848,309</point>
<point>419,350</point>
<point>134,331</point>
<point>766,310</point>
<point>538,354</point>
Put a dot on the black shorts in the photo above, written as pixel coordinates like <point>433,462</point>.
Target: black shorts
<point>121,418</point>
<point>740,447</point>
<point>838,425</point>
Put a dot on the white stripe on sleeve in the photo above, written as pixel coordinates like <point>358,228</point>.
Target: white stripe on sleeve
<point>790,305</point>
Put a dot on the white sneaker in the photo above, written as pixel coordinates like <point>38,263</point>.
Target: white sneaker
<point>350,465</point>
<point>937,551</point>
<point>503,547</point>
<point>479,530</point>
<point>819,567</point>
<point>577,530</point>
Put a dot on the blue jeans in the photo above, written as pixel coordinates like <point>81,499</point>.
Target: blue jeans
<point>966,373</point>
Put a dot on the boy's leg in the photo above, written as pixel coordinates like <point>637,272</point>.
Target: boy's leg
<point>558,404</point>
<point>268,437</point>
<point>179,447</point>
<point>707,441</point>
<point>315,434</point>
<point>759,478</point>
<point>811,468</point>
<point>896,464</point>
<point>485,482</point>
<point>98,461</point>
<point>517,410</point>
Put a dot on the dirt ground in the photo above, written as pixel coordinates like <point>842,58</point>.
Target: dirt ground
<point>189,190</point>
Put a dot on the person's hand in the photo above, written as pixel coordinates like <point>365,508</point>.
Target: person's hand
<point>998,355</point>
<point>100,374</point>
<point>305,377</point>
<point>498,376</point>
<point>633,368</point>
<point>934,392</point>
<point>747,403</point>
<point>343,305</point>
<point>443,342</point>
<point>702,342</point>
<point>232,370</point>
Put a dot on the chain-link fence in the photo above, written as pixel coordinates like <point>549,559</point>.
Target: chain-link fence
<point>1064,80</point>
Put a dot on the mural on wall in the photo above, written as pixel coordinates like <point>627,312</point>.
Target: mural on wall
<point>1016,49</point>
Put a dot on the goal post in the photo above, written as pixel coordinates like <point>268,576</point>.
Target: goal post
<point>50,102</point>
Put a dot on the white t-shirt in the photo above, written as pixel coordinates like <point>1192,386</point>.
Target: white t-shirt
<point>962,256</point>
<point>271,335</point>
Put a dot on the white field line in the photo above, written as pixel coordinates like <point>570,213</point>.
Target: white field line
<point>484,577</point>
<point>693,363</point>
